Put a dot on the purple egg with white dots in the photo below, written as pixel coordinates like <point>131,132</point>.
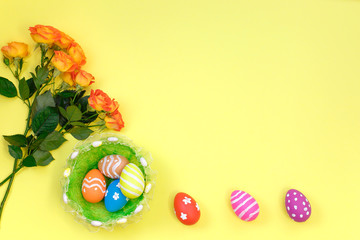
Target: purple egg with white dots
<point>297,206</point>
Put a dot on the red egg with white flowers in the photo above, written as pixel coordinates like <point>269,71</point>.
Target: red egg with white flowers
<point>186,209</point>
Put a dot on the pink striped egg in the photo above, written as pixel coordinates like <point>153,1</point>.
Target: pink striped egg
<point>297,206</point>
<point>112,165</point>
<point>244,205</point>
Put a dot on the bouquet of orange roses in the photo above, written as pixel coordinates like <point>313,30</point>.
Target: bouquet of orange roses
<point>55,96</point>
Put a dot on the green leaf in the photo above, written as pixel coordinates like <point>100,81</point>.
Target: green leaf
<point>32,87</point>
<point>29,161</point>
<point>80,133</point>
<point>16,140</point>
<point>7,88</point>
<point>63,111</point>
<point>73,113</point>
<point>39,139</point>
<point>89,117</point>
<point>41,75</point>
<point>67,94</point>
<point>15,152</point>
<point>43,158</point>
<point>45,121</point>
<point>84,103</point>
<point>24,89</point>
<point>42,101</point>
<point>33,75</point>
<point>52,141</point>
<point>6,61</point>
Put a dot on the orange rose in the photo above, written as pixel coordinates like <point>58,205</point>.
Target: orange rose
<point>44,34</point>
<point>15,49</point>
<point>76,52</point>
<point>112,106</point>
<point>63,62</point>
<point>68,78</point>
<point>84,78</point>
<point>100,101</point>
<point>64,41</point>
<point>114,121</point>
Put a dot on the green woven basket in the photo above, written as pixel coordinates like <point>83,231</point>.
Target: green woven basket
<point>85,157</point>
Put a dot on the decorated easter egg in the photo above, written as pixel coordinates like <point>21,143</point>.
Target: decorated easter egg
<point>297,206</point>
<point>114,199</point>
<point>186,209</point>
<point>93,186</point>
<point>132,181</point>
<point>244,205</point>
<point>112,165</point>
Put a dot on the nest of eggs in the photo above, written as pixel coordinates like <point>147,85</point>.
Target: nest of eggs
<point>84,158</point>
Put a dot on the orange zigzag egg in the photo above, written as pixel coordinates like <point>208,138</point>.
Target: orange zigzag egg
<point>94,186</point>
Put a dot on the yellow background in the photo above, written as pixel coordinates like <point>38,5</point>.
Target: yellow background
<point>260,96</point>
